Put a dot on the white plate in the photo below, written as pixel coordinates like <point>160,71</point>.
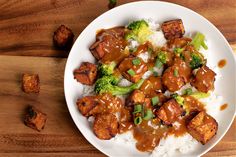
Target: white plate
<point>160,11</point>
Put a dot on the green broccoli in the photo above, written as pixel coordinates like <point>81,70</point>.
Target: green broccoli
<point>198,41</point>
<point>161,59</point>
<point>106,69</point>
<point>139,30</point>
<point>197,60</point>
<point>108,84</point>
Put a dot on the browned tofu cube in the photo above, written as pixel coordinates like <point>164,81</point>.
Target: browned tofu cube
<point>86,105</point>
<point>169,112</point>
<point>63,37</point>
<point>133,68</point>
<point>35,119</point>
<point>136,97</point>
<point>204,79</point>
<point>202,127</point>
<point>173,29</point>
<point>30,83</point>
<point>86,74</point>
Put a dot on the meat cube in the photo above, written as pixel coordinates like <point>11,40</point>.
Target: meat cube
<point>109,42</point>
<point>63,37</point>
<point>30,83</point>
<point>204,79</point>
<point>86,74</point>
<point>151,85</point>
<point>86,105</point>
<point>133,71</point>
<point>136,97</point>
<point>169,112</point>
<point>173,29</point>
<point>35,119</point>
<point>202,127</point>
<point>105,126</point>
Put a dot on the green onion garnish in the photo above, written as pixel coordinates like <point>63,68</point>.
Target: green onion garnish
<point>155,73</point>
<point>148,115</point>
<point>200,95</point>
<point>176,73</point>
<point>178,50</point>
<point>155,100</point>
<point>137,109</point>
<point>136,61</point>
<point>188,91</point>
<point>138,120</point>
<point>174,95</point>
<point>158,64</point>
<point>131,72</point>
<point>179,100</point>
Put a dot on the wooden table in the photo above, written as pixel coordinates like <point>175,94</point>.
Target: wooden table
<point>26,29</point>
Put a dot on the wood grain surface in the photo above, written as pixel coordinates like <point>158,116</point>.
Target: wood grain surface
<point>26,28</point>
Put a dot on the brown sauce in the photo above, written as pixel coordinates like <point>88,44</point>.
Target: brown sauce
<point>151,85</point>
<point>223,107</point>
<point>221,63</point>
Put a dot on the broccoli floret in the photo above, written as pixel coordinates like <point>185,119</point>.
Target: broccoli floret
<point>106,69</point>
<point>197,60</point>
<point>139,30</point>
<point>108,84</point>
<point>198,41</point>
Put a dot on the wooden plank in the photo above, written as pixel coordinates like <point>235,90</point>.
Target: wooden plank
<point>26,27</point>
<point>60,136</point>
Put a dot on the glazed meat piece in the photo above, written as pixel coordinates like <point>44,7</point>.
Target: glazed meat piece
<point>132,68</point>
<point>151,85</point>
<point>204,79</point>
<point>63,37</point>
<point>202,127</point>
<point>30,83</point>
<point>99,104</point>
<point>173,29</point>
<point>136,97</point>
<point>105,126</point>
<point>177,75</point>
<point>86,105</point>
<point>109,45</point>
<point>86,74</point>
<point>178,42</point>
<point>169,112</point>
<point>35,119</point>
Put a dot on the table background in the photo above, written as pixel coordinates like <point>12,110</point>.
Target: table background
<point>26,28</point>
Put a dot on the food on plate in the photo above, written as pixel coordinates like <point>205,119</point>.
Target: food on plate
<point>86,73</point>
<point>63,37</point>
<point>202,127</point>
<point>150,81</point>
<point>35,119</point>
<point>30,83</point>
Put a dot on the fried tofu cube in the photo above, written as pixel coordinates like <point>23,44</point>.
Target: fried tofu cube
<point>173,29</point>
<point>35,119</point>
<point>86,73</point>
<point>63,37</point>
<point>169,112</point>
<point>202,127</point>
<point>136,97</point>
<point>133,68</point>
<point>30,83</point>
<point>86,105</point>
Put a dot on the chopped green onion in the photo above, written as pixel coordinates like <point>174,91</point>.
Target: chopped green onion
<point>176,73</point>
<point>178,50</point>
<point>200,95</point>
<point>188,91</point>
<point>155,100</point>
<point>155,73</point>
<point>179,100</point>
<point>138,120</point>
<point>136,61</point>
<point>158,64</point>
<point>162,57</point>
<point>148,115</point>
<point>131,72</point>
<point>137,108</point>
